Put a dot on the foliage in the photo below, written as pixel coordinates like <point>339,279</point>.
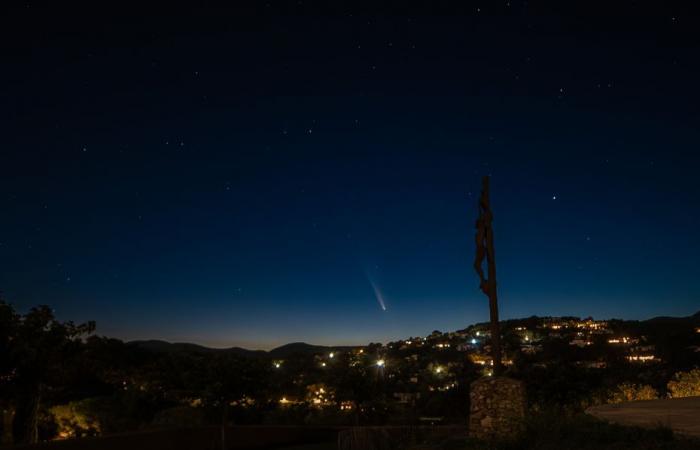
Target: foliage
<point>73,420</point>
<point>628,392</point>
<point>685,384</point>
<point>37,350</point>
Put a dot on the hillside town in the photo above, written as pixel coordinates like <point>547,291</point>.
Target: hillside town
<point>417,367</point>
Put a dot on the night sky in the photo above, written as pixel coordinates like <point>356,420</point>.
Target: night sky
<point>273,172</point>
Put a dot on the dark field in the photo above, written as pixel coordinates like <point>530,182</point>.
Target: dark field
<point>542,432</point>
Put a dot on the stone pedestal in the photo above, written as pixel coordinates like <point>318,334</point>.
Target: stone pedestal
<point>8,416</point>
<point>497,408</point>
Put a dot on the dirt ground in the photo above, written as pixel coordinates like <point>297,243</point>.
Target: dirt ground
<point>682,415</point>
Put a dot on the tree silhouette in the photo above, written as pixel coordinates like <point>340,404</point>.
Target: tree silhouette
<point>37,349</point>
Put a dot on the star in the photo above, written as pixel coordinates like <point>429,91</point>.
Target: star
<point>554,197</point>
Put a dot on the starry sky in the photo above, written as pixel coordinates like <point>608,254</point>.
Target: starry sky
<point>293,171</point>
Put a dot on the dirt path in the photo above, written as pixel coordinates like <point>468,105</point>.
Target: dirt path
<point>680,414</point>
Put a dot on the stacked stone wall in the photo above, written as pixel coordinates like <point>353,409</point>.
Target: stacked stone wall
<point>497,408</point>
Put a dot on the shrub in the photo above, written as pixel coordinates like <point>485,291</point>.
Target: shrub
<point>74,421</point>
<point>685,384</point>
<point>628,392</point>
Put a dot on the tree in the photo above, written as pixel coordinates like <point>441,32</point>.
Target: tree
<point>38,348</point>
<point>685,384</point>
<point>8,324</point>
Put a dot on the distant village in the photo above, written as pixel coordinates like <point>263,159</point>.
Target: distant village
<point>418,366</point>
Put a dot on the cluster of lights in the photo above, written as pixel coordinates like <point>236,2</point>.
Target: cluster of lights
<point>623,340</point>
<point>318,399</point>
<point>641,358</point>
<point>590,324</point>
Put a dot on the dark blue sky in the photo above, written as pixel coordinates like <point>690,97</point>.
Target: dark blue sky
<point>241,177</point>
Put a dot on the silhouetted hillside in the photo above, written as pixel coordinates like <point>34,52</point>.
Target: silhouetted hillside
<point>282,352</point>
<point>296,348</point>
<point>184,347</point>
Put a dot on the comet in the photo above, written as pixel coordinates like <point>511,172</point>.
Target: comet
<point>377,293</point>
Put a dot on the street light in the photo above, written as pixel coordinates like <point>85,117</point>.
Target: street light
<point>380,363</point>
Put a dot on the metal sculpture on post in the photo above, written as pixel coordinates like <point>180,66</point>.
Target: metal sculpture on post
<point>485,250</point>
<point>497,403</point>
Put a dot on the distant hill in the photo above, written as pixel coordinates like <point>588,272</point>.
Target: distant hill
<point>184,347</point>
<point>694,319</point>
<point>284,351</point>
<point>670,326</point>
<point>296,348</point>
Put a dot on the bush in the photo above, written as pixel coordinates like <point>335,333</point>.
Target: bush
<point>73,420</point>
<point>685,384</point>
<point>628,392</point>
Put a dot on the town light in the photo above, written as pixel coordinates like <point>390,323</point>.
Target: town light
<point>331,355</point>
<point>277,365</point>
<point>380,363</point>
<point>473,341</point>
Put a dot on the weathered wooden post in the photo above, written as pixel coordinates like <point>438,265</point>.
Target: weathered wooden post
<point>497,403</point>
